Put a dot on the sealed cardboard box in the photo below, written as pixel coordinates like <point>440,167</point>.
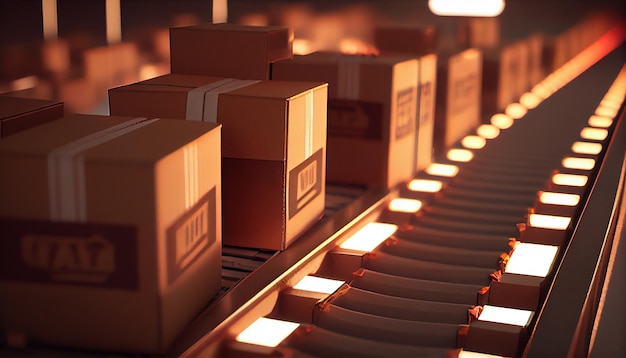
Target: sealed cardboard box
<point>273,147</point>
<point>18,114</point>
<point>458,106</point>
<point>372,111</point>
<point>111,231</point>
<point>505,76</point>
<point>228,50</point>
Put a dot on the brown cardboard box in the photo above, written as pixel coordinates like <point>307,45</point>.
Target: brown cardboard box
<point>18,114</point>
<point>273,147</point>
<point>458,108</point>
<point>228,50</point>
<point>112,65</point>
<point>518,291</point>
<point>111,231</point>
<point>372,114</point>
<point>406,39</point>
<point>505,76</point>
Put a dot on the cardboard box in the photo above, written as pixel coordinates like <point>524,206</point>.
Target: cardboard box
<point>18,114</point>
<point>111,231</point>
<point>417,40</point>
<point>228,50</point>
<point>273,147</point>
<point>518,291</point>
<point>505,76</point>
<point>371,114</point>
<point>112,65</point>
<point>458,106</point>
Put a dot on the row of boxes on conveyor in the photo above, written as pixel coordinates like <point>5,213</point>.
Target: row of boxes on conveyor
<point>384,290</point>
<point>114,224</point>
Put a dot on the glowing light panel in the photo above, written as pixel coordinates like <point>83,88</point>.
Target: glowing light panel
<point>403,205</point>
<point>606,111</point>
<point>473,142</point>
<point>505,315</point>
<point>488,131</point>
<point>530,100</point>
<point>267,332</point>
<point>459,155</point>
<point>578,163</point>
<point>515,110</point>
<point>501,121</point>
<point>531,259</point>
<point>547,197</point>
<point>480,8</point>
<point>594,133</point>
<point>318,284</point>
<point>570,179</point>
<point>586,148</point>
<point>442,170</point>
<point>425,185</point>
<point>470,354</point>
<point>369,237</point>
<point>549,221</point>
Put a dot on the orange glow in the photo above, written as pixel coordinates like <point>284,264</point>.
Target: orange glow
<point>425,185</point>
<point>113,22</point>
<point>606,111</point>
<point>220,11</point>
<point>586,148</point>
<point>442,170</point>
<point>369,237</point>
<point>49,15</point>
<point>267,332</point>
<point>459,155</point>
<point>501,120</point>
<point>531,259</point>
<point>600,122</point>
<point>24,83</point>
<point>488,131</point>
<point>403,205</point>
<point>473,142</point>
<point>549,221</point>
<point>547,197</point>
<point>505,315</point>
<point>530,100</point>
<point>578,163</point>
<point>515,110</point>
<point>541,91</point>
<point>353,46</point>
<point>476,8</point>
<point>570,179</point>
<point>318,284</point>
<point>302,47</point>
<point>594,133</point>
<point>470,354</point>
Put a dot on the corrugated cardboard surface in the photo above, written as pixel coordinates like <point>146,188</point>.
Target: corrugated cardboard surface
<point>147,182</point>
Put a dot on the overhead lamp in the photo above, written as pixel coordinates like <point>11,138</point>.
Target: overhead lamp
<point>470,8</point>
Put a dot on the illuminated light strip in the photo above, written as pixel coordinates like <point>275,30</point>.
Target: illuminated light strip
<point>606,111</point>
<point>318,284</point>
<point>570,179</point>
<point>473,142</point>
<point>425,185</point>
<point>515,110</point>
<point>403,205</point>
<point>578,163</point>
<point>470,354</point>
<point>488,131</point>
<point>501,121</point>
<point>600,122</point>
<point>460,155</point>
<point>505,315</point>
<point>594,133</point>
<point>530,100</point>
<point>267,332</point>
<point>549,221</point>
<point>369,237</point>
<point>586,148</point>
<point>546,197</point>
<point>113,22</point>
<point>49,16</point>
<point>442,170</point>
<point>480,8</point>
<point>531,259</point>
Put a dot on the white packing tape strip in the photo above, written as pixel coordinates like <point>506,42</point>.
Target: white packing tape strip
<point>195,100</point>
<point>348,77</point>
<point>308,124</point>
<point>211,96</point>
<point>190,153</point>
<point>66,174</point>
